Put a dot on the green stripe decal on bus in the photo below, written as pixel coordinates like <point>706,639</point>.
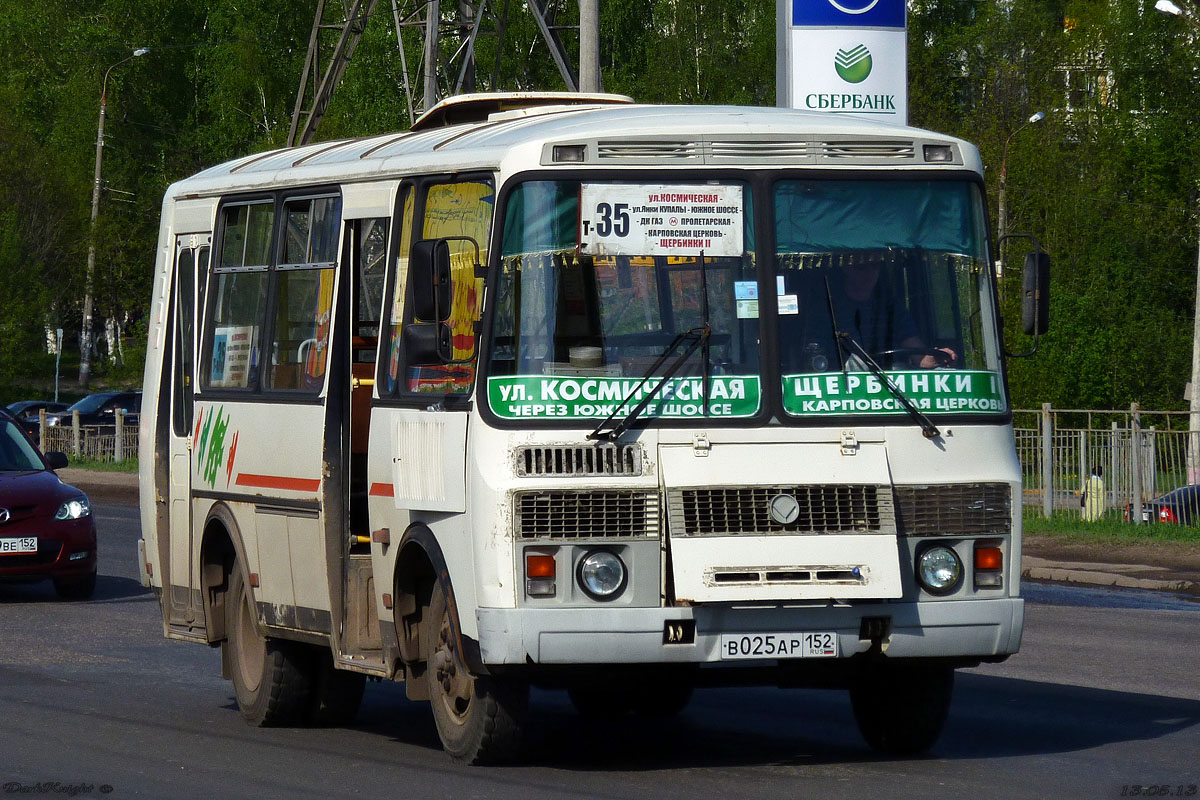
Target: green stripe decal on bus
<point>555,397</point>
<point>932,391</point>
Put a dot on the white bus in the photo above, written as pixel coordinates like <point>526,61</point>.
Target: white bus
<point>570,392</point>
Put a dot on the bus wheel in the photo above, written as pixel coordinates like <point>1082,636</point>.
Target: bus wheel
<point>479,718</point>
<point>902,708</point>
<point>272,679</point>
<point>337,694</point>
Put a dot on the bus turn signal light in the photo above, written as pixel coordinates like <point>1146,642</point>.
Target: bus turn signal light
<point>988,558</point>
<point>989,563</point>
<point>540,575</point>
<point>539,566</point>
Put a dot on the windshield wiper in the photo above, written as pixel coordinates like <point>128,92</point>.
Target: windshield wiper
<point>697,337</point>
<point>927,427</point>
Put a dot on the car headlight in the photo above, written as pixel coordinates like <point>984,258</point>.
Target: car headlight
<point>602,574</point>
<point>76,508</point>
<point>939,569</point>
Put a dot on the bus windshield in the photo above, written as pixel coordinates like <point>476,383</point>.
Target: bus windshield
<point>894,271</point>
<point>575,333</point>
<point>873,282</point>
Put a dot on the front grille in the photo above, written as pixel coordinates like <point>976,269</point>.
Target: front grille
<point>47,554</point>
<point>764,576</point>
<point>586,515</point>
<point>579,461</point>
<point>18,513</point>
<point>955,508</point>
<point>747,510</point>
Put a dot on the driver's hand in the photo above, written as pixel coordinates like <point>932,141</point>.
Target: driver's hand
<point>932,361</point>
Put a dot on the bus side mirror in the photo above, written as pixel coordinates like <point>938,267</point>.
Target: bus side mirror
<point>429,271</point>
<point>1035,294</point>
<point>428,343</point>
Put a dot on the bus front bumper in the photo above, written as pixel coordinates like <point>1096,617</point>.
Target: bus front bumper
<point>940,629</point>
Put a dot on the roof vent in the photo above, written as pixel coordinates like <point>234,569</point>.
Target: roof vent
<point>894,150</point>
<point>650,150</point>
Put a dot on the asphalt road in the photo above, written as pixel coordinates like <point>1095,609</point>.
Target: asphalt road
<point>1104,696</point>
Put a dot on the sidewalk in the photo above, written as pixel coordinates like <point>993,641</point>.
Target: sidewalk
<point>1160,567</point>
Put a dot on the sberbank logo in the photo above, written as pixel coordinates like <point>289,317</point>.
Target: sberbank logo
<point>850,8</point>
<point>853,65</point>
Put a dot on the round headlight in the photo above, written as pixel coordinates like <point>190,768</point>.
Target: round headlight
<point>602,574</point>
<point>939,569</point>
<point>74,509</point>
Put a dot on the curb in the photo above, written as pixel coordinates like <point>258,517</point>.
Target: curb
<point>1095,575</point>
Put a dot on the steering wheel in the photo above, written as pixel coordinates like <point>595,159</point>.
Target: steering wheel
<point>944,359</point>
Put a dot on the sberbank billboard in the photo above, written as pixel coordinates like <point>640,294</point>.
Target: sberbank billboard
<point>844,57</point>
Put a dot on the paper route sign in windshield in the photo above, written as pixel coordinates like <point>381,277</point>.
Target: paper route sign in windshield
<point>618,219</point>
<point>552,397</point>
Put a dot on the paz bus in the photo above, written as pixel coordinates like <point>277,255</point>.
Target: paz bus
<point>566,391</point>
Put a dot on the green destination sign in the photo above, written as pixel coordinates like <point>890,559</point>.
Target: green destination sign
<point>556,397</point>
<point>932,391</point>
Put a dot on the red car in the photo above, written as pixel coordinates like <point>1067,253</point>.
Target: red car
<point>46,526</point>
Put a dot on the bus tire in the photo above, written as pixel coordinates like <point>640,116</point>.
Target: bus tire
<point>272,678</point>
<point>479,718</point>
<point>901,709</point>
<point>337,694</point>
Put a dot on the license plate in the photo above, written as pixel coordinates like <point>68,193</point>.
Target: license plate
<point>779,645</point>
<point>1145,516</point>
<point>24,544</point>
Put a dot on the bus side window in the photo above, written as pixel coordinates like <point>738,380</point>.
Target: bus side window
<point>459,209</point>
<point>304,294</point>
<point>239,305</point>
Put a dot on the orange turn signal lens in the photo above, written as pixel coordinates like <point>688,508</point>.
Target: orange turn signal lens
<point>539,566</point>
<point>989,558</point>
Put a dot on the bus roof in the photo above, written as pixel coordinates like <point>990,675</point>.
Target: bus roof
<point>613,135</point>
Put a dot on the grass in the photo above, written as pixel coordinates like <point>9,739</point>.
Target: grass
<point>129,465</point>
<point>1110,530</point>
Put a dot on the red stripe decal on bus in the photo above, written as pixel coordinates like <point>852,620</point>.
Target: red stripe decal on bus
<point>382,490</point>
<point>278,482</point>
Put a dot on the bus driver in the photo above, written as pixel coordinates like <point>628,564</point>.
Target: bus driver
<point>877,320</point>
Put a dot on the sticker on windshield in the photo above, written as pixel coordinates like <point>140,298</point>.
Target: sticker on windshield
<point>551,397</point>
<point>653,220</point>
<point>931,391</point>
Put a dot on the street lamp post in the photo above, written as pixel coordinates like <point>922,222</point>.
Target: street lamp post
<point>1002,209</point>
<point>1193,451</point>
<point>85,337</point>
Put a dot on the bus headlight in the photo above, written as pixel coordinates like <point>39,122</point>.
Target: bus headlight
<point>602,575</point>
<point>939,569</point>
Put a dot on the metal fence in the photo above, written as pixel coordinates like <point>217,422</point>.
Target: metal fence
<point>116,442</point>
<point>1136,456</point>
